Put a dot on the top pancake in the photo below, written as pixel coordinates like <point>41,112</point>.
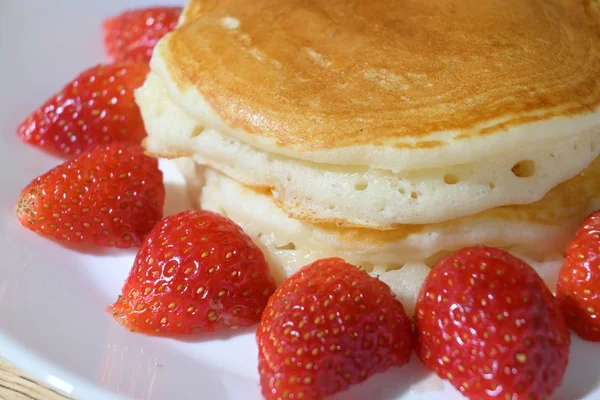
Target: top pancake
<point>357,82</point>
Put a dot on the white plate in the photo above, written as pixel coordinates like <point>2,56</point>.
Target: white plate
<point>52,300</point>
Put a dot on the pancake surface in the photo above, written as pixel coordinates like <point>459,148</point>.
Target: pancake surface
<point>308,78</point>
<point>360,196</point>
<point>385,132</point>
<point>383,113</point>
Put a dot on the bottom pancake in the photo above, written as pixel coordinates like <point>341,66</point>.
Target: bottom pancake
<point>537,232</point>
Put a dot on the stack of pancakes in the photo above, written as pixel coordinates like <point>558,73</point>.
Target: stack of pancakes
<point>388,132</point>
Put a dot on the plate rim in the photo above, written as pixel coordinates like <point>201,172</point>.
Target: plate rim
<point>30,363</point>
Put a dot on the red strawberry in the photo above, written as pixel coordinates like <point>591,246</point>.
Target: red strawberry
<point>578,288</point>
<point>95,108</point>
<point>327,327</point>
<point>132,35</point>
<point>196,271</point>
<point>486,322</point>
<point>110,196</point>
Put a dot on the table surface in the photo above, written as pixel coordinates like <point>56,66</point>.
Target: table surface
<point>15,385</point>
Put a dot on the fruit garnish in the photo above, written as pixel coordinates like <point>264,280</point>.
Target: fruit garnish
<point>110,196</point>
<point>197,271</point>
<point>132,35</point>
<point>327,327</point>
<point>486,322</point>
<point>97,107</point>
<point>578,288</point>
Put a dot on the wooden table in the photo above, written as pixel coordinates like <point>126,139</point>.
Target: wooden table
<point>15,385</point>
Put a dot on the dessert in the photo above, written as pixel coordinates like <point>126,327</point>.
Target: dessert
<point>384,114</point>
<point>110,196</point>
<point>487,322</point>
<point>388,134</point>
<point>405,136</point>
<point>95,108</point>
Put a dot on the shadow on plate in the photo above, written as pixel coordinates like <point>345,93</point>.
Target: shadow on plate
<point>177,198</point>
<point>389,385</point>
<point>583,374</point>
<point>142,368</point>
<point>219,335</point>
<point>98,251</point>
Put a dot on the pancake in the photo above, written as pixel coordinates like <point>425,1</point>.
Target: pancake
<point>359,196</point>
<point>537,232</point>
<point>394,76</point>
<point>381,114</point>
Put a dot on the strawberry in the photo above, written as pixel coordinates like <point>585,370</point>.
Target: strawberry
<point>486,322</point>
<point>578,288</point>
<point>132,35</point>
<point>110,196</point>
<point>97,107</point>
<point>196,271</point>
<point>327,327</point>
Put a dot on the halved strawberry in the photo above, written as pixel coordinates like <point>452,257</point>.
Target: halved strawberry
<point>110,196</point>
<point>96,108</point>
<point>197,271</point>
<point>132,35</point>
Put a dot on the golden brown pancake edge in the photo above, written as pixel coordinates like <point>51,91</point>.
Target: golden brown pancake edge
<point>325,74</point>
